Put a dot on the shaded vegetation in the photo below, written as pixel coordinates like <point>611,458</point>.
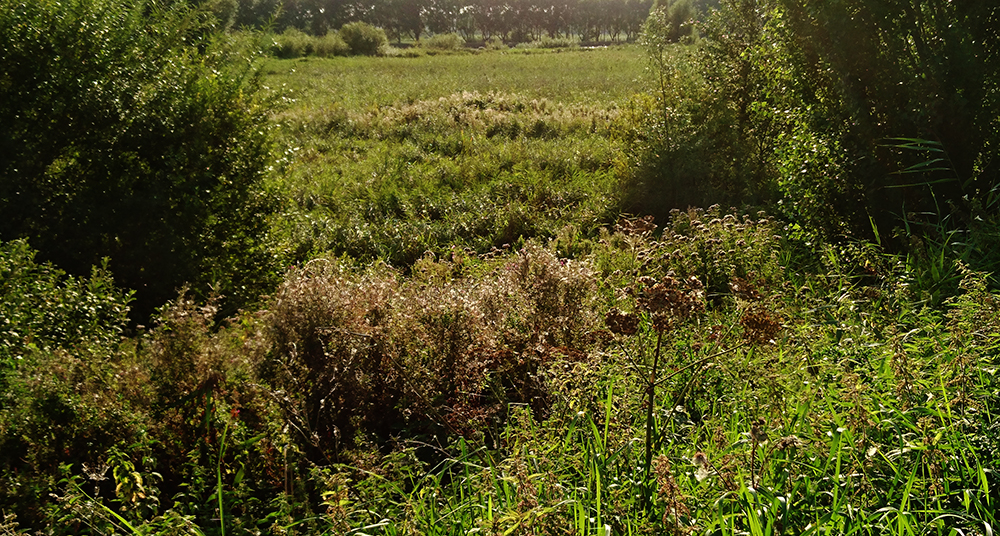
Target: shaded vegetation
<point>874,121</point>
<point>129,132</point>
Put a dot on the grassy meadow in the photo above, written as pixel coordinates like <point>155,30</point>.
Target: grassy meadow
<point>472,338</point>
<point>393,157</point>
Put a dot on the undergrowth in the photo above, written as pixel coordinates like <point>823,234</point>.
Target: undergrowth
<point>698,378</point>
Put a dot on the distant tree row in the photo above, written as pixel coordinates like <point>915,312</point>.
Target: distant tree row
<point>509,20</point>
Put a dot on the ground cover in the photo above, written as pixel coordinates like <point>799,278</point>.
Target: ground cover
<point>389,158</point>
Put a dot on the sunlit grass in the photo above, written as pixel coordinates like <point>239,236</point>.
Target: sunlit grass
<point>390,158</point>
<point>600,76</point>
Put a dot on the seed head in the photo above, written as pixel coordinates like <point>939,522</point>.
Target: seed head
<point>758,431</point>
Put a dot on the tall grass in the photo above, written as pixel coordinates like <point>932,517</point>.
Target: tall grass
<point>390,158</point>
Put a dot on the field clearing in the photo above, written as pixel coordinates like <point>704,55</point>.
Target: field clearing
<point>392,158</point>
<point>607,75</point>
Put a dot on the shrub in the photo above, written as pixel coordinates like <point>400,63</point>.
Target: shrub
<point>330,44</point>
<point>448,41</point>
<point>43,309</point>
<point>132,133</point>
<point>363,38</point>
<point>850,114</point>
<point>438,354</point>
<point>293,43</point>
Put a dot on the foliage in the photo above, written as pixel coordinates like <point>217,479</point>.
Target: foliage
<point>671,21</point>
<point>44,310</point>
<point>363,38</point>
<point>439,354</point>
<point>447,41</point>
<point>130,132</point>
<point>293,43</point>
<point>705,371</point>
<point>505,392</point>
<point>158,432</point>
<point>817,93</point>
<point>487,390</point>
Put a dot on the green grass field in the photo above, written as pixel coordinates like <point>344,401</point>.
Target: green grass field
<point>600,76</point>
<point>390,158</point>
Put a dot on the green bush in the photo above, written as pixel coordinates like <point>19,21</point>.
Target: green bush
<point>293,43</point>
<point>448,41</point>
<point>363,39</point>
<point>848,114</point>
<point>330,44</point>
<point>130,131</point>
<point>43,309</point>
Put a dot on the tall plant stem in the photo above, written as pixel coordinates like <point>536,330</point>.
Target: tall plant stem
<point>651,395</point>
<point>218,480</point>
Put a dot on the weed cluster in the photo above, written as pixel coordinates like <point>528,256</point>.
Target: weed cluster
<point>437,354</point>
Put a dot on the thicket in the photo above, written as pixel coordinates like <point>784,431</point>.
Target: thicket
<point>687,381</point>
<point>444,41</point>
<point>363,38</point>
<point>873,120</point>
<point>293,43</point>
<point>129,130</point>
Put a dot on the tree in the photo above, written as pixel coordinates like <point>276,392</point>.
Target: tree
<point>129,131</point>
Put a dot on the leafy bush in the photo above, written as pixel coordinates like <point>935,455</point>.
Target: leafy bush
<point>448,41</point>
<point>363,38</point>
<point>330,44</point>
<point>44,310</point>
<point>140,427</point>
<point>815,95</point>
<point>293,43</point>
<point>134,134</point>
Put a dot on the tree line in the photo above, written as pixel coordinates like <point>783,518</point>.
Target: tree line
<point>508,20</point>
